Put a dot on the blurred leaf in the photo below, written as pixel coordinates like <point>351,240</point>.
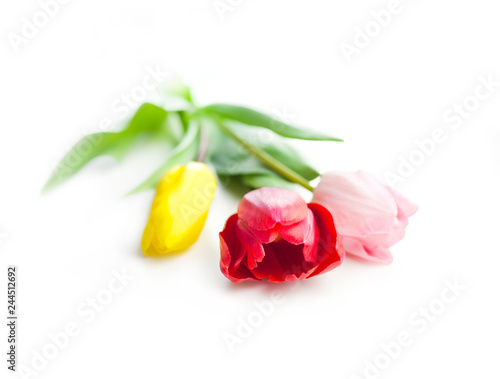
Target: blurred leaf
<point>270,179</point>
<point>231,159</point>
<point>176,95</point>
<point>176,129</point>
<point>251,117</point>
<point>175,86</point>
<point>149,119</point>
<point>186,151</point>
<point>291,158</point>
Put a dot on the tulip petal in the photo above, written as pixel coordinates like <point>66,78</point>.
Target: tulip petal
<point>232,253</point>
<point>283,262</point>
<point>360,250</point>
<point>252,246</point>
<point>266,236</point>
<point>292,251</point>
<point>264,208</point>
<point>406,208</point>
<point>180,209</point>
<point>304,232</point>
<point>331,252</point>
<point>370,216</point>
<point>147,238</point>
<point>359,203</point>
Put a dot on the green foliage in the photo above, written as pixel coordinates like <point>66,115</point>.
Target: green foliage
<point>231,159</point>
<point>186,151</point>
<point>251,117</point>
<point>148,119</point>
<point>244,144</point>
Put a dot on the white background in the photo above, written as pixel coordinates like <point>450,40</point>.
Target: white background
<point>273,55</point>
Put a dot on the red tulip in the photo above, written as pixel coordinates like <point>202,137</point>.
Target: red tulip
<point>277,236</point>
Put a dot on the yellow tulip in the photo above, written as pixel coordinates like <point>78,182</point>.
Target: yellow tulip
<point>180,209</point>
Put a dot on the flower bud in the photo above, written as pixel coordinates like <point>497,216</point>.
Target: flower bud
<point>179,209</point>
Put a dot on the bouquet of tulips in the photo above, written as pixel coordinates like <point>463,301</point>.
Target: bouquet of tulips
<point>275,235</point>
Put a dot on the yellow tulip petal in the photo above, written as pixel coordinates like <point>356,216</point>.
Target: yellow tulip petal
<point>180,209</point>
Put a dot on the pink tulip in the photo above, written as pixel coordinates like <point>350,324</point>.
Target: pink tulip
<point>369,216</point>
<point>277,236</point>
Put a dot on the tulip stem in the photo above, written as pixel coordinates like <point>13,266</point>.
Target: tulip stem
<point>203,149</point>
<point>266,158</point>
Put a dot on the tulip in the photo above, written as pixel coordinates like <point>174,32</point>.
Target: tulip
<point>277,236</point>
<point>370,216</point>
<point>179,209</point>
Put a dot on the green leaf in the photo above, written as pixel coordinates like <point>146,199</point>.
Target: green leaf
<point>251,117</point>
<point>149,119</point>
<point>186,151</point>
<point>270,179</point>
<point>231,159</point>
<point>291,158</point>
<point>176,95</point>
<point>175,86</point>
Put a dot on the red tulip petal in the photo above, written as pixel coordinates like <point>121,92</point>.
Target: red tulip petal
<point>266,236</point>
<point>283,262</point>
<point>262,209</point>
<point>254,249</point>
<point>232,253</point>
<point>330,250</point>
<point>298,243</point>
<point>304,232</point>
<point>225,260</point>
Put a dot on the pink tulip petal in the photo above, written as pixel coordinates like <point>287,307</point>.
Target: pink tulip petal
<point>406,208</point>
<point>370,216</point>
<point>359,203</point>
<point>388,238</point>
<point>376,254</point>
